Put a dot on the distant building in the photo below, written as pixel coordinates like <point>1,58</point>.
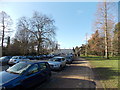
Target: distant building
<point>64,51</point>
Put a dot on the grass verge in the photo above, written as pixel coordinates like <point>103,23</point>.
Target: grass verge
<point>106,70</point>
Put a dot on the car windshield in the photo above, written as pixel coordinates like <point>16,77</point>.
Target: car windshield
<point>56,59</point>
<point>18,68</point>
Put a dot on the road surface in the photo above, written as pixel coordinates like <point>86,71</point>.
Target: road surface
<point>75,75</point>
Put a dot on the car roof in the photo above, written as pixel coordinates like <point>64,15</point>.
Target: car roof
<point>58,57</point>
<point>17,56</point>
<point>33,61</point>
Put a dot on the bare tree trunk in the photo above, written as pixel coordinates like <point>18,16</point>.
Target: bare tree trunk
<point>3,37</point>
<point>86,48</point>
<point>3,32</point>
<point>8,46</point>
<point>38,49</point>
<point>106,35</point>
<point>112,47</point>
<point>5,22</point>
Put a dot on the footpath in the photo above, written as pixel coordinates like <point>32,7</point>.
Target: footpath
<point>79,75</point>
<point>90,73</point>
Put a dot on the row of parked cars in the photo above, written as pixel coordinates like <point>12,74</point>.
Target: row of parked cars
<point>15,59</point>
<point>28,73</point>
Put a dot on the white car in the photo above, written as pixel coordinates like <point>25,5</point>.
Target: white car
<point>17,59</point>
<point>57,63</point>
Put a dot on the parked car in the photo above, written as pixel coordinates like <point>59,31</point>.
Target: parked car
<point>57,63</point>
<point>39,57</point>
<point>69,59</point>
<point>16,59</point>
<point>50,56</point>
<point>4,60</point>
<point>30,57</point>
<point>25,74</point>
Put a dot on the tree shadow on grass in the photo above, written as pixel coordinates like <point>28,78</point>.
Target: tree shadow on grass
<point>105,73</point>
<point>78,62</point>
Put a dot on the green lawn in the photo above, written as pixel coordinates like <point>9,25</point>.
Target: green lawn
<point>105,70</point>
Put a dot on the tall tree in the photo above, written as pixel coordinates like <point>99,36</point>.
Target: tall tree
<point>23,35</point>
<point>5,25</point>
<point>95,44</point>
<point>37,32</point>
<point>105,23</point>
<point>43,29</point>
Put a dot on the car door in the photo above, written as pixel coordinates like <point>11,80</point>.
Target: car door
<point>33,76</point>
<point>44,70</point>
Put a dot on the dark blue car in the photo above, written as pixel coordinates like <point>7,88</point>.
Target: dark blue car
<point>24,75</point>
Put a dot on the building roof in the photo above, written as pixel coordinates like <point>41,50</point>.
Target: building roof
<point>65,51</point>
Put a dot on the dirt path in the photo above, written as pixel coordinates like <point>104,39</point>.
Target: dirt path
<point>76,75</point>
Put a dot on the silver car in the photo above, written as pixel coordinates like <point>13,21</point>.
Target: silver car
<point>16,59</point>
<point>57,63</point>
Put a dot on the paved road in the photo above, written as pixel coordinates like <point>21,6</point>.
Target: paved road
<point>76,75</point>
